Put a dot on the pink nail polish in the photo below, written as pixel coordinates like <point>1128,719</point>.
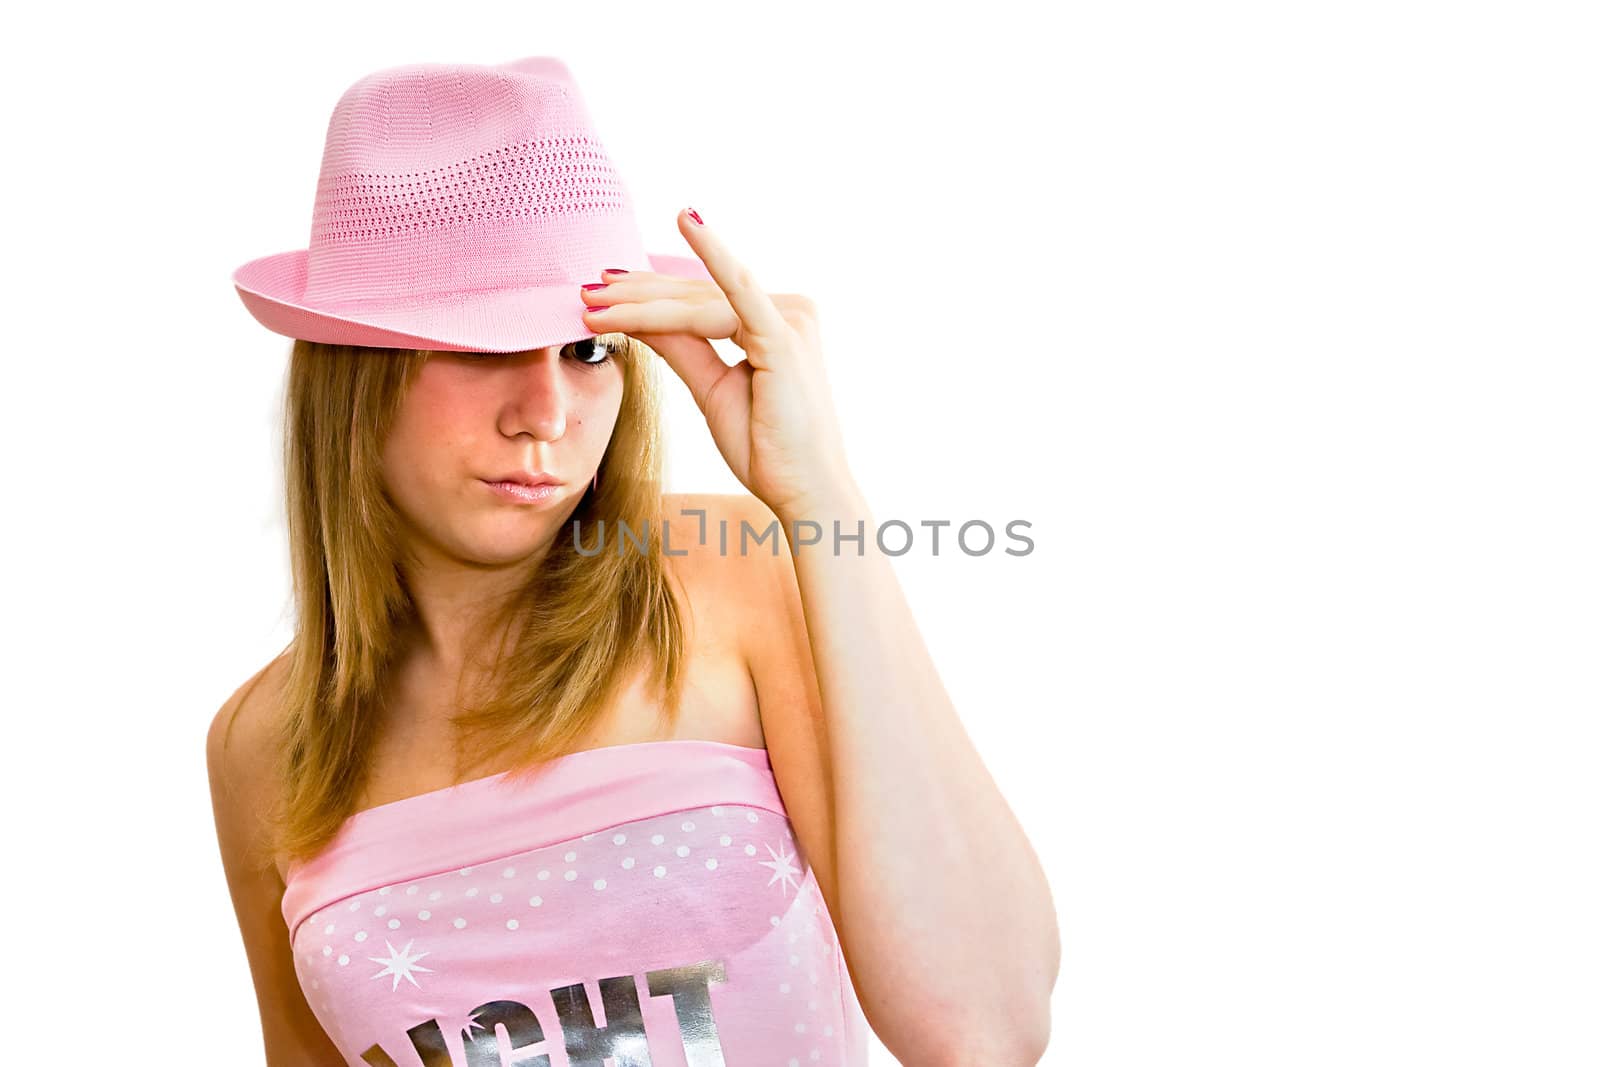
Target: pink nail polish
<point>693,214</point>
<point>595,285</point>
<point>613,270</point>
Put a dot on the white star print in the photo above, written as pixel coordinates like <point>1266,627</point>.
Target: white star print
<point>400,964</point>
<point>781,868</point>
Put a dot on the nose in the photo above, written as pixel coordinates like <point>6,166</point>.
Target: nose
<point>540,397</point>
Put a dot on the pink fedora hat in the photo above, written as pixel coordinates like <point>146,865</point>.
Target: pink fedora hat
<point>460,208</point>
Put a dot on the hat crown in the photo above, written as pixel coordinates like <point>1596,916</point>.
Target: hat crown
<point>442,179</point>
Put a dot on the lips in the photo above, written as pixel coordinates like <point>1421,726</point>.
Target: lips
<point>528,478</point>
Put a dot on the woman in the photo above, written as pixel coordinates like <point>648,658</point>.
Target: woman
<point>561,770</point>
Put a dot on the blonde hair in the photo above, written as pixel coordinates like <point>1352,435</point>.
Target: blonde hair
<point>582,623</point>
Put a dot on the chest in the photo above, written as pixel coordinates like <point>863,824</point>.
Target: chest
<point>415,755</point>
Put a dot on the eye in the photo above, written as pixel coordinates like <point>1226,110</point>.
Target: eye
<point>591,351</point>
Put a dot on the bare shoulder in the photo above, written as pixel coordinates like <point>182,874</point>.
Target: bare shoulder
<point>755,576</point>
<point>745,559</point>
<point>730,549</point>
<point>724,533</point>
<point>238,762</point>
<point>708,520</point>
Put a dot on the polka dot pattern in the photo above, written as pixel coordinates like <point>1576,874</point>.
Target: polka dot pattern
<point>723,883</point>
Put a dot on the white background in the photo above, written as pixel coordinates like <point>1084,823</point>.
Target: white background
<point>1277,322</point>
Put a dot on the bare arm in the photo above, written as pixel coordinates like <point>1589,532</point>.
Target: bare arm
<point>290,1032</point>
<point>943,908</point>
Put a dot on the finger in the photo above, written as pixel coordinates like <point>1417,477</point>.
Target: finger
<point>669,315</point>
<point>640,287</point>
<point>697,294</point>
<point>645,286</point>
<point>759,316</point>
<point>692,359</point>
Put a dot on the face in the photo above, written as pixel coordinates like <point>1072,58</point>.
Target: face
<point>472,418</point>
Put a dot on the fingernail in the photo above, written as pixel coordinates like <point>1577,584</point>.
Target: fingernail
<point>595,285</point>
<point>613,270</point>
<point>588,307</point>
<point>693,214</point>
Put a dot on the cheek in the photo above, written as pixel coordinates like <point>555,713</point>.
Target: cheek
<point>598,413</point>
<point>430,428</point>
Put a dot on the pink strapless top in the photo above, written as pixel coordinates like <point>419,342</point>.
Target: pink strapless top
<point>637,904</point>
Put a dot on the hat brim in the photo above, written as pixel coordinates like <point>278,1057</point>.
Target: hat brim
<point>502,320</point>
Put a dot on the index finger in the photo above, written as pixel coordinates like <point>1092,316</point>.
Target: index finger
<point>759,315</point>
